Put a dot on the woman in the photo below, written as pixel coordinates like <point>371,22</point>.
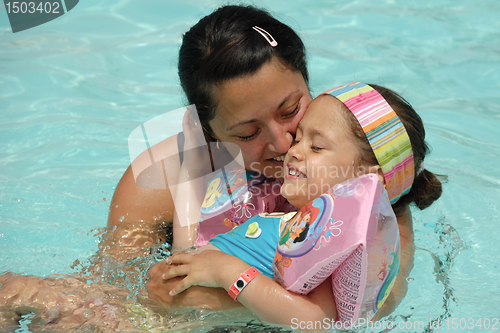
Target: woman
<point>246,73</point>
<point>248,91</point>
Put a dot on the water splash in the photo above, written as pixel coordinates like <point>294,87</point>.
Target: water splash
<point>110,289</point>
<point>449,245</point>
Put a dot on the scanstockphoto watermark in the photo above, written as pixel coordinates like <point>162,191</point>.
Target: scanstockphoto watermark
<point>28,14</point>
<point>332,324</point>
<point>319,171</point>
<point>322,177</point>
<point>475,324</point>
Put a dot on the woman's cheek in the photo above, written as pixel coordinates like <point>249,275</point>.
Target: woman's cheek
<point>253,151</point>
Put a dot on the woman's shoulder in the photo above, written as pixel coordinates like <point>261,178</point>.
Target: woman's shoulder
<point>167,149</point>
<point>140,194</point>
<point>164,154</point>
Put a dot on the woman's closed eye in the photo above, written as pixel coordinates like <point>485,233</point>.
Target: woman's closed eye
<point>257,132</point>
<point>250,137</point>
<point>293,113</point>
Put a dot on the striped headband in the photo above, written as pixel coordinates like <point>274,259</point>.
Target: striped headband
<point>385,132</point>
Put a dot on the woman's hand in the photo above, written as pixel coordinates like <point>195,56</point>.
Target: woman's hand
<point>157,288</point>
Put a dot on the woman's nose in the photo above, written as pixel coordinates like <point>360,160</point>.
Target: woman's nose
<point>280,139</point>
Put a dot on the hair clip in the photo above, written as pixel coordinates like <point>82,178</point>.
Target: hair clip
<point>266,35</point>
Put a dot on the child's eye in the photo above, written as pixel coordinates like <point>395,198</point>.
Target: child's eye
<point>250,137</point>
<point>316,149</point>
<point>294,142</point>
<point>293,113</point>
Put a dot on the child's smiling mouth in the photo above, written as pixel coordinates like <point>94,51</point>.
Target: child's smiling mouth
<point>294,172</point>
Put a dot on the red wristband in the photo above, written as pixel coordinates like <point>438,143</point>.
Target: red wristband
<point>242,282</point>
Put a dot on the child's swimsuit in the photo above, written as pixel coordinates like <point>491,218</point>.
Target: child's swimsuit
<point>257,252</point>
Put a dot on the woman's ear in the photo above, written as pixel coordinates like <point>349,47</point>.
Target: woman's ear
<point>376,169</point>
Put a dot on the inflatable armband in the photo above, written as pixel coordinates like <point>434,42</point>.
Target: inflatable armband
<point>350,234</point>
<point>234,196</point>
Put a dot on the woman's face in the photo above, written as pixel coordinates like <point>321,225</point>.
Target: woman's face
<point>260,113</point>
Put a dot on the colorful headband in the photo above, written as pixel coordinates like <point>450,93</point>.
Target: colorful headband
<point>385,132</point>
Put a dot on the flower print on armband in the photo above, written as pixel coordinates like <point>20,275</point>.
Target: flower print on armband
<point>332,230</point>
<point>387,274</point>
<point>334,227</point>
<point>243,207</point>
<point>383,270</point>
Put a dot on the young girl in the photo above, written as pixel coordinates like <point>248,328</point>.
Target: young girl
<point>356,129</point>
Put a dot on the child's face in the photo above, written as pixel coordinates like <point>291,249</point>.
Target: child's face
<point>323,154</point>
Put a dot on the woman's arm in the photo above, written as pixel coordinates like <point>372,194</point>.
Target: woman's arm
<point>400,287</point>
<point>147,189</point>
<point>191,184</point>
<point>151,200</point>
<point>138,212</point>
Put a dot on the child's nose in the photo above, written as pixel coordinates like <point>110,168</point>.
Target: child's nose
<point>295,152</point>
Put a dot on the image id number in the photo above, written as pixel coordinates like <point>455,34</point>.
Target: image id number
<point>30,7</point>
<point>470,323</point>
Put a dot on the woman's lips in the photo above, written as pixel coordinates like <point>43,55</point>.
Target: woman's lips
<point>277,160</point>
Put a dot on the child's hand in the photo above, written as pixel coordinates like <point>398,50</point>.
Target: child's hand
<point>195,297</point>
<point>198,269</point>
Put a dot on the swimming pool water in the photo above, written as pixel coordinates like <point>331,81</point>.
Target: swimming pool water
<point>73,89</point>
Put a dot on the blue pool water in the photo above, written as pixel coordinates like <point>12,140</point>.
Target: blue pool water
<point>73,89</point>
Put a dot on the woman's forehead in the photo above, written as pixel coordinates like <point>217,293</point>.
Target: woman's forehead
<point>267,90</point>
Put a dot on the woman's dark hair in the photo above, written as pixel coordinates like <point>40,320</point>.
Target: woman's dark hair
<point>427,186</point>
<point>223,46</point>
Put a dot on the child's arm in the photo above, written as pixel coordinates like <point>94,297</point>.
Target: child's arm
<point>266,298</point>
<point>263,296</point>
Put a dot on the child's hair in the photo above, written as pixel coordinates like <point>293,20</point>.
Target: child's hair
<point>224,46</point>
<point>426,186</point>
